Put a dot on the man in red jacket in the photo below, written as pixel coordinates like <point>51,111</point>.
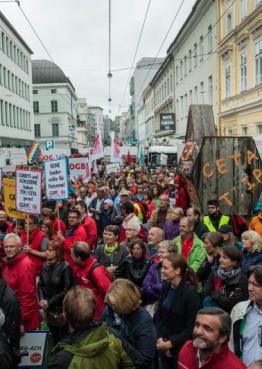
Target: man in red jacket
<point>209,348</point>
<point>90,274</point>
<point>75,232</point>
<point>20,275</point>
<point>89,224</point>
<point>38,242</point>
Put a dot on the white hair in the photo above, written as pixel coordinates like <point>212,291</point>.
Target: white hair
<point>15,236</point>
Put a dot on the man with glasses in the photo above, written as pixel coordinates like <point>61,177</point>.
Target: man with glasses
<point>163,213</point>
<point>215,219</point>
<point>246,335</point>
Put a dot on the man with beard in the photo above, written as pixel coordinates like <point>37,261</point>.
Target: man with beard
<point>163,213</point>
<point>215,219</point>
<point>209,348</point>
<point>155,237</point>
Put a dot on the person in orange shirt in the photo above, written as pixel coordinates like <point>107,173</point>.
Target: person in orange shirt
<point>256,223</point>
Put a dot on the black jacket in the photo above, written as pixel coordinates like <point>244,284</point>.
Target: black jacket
<point>54,282</point>
<point>206,268</point>
<point>6,356</point>
<point>200,229</point>
<point>135,269</point>
<point>11,308</point>
<point>230,294</point>
<point>177,325</point>
<point>116,259</point>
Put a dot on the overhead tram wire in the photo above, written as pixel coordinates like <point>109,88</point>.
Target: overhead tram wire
<point>135,54</point>
<point>162,44</point>
<point>38,37</point>
<point>207,54</point>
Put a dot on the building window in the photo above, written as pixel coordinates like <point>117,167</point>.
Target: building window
<point>190,61</point>
<point>244,131</point>
<point>53,91</point>
<point>201,48</point>
<point>185,66</point>
<point>243,70</point>
<point>181,70</point>
<point>185,105</point>
<point>230,132</point>
<point>227,80</point>
<point>229,15</point>
<point>35,92</point>
<point>177,75</point>
<point>258,61</point>
<point>210,90</point>
<point>196,95</point>
<point>195,55</point>
<point>37,130</point>
<point>202,92</point>
<point>243,9</point>
<point>54,106</point>
<point>55,130</point>
<point>210,39</point>
<point>190,98</point>
<point>36,106</point>
<point>259,129</point>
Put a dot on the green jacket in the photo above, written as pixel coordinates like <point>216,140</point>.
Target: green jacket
<point>98,349</point>
<point>197,253</point>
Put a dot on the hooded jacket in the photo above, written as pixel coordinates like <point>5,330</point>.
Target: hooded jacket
<point>196,255</point>
<point>20,275</point>
<point>96,348</point>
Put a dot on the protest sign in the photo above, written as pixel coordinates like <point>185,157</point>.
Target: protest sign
<point>79,167</point>
<point>9,190</point>
<point>34,344</point>
<point>56,179</point>
<point>28,191</point>
<point>163,159</point>
<point>113,168</point>
<point>55,154</point>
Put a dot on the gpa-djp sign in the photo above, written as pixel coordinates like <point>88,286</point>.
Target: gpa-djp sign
<point>167,122</point>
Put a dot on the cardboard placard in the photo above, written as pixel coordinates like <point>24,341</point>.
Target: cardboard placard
<point>56,179</point>
<point>9,189</point>
<point>163,159</point>
<point>28,191</point>
<point>113,168</point>
<point>79,167</point>
<point>34,343</point>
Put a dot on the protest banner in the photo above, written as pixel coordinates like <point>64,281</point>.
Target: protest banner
<point>113,168</point>
<point>9,189</point>
<point>28,191</point>
<point>56,179</point>
<point>79,167</point>
<point>55,154</point>
<point>34,344</point>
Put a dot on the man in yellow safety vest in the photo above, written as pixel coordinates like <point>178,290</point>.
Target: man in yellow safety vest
<point>215,219</point>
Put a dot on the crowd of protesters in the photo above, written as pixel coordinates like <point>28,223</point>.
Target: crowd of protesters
<point>127,274</point>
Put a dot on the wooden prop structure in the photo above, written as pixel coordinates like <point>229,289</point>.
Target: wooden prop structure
<point>228,169</point>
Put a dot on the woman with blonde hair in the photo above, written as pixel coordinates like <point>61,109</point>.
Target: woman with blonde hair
<point>252,245</point>
<point>137,329</point>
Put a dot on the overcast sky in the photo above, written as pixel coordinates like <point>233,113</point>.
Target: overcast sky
<point>75,32</point>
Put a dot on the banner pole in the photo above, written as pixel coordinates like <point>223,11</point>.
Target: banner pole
<point>58,217</point>
<point>27,231</point>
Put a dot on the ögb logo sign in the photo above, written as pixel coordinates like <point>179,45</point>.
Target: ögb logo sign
<point>79,167</point>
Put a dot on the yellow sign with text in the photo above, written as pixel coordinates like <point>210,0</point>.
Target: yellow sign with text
<point>9,187</point>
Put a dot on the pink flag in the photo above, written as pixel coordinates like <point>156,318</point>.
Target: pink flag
<point>95,168</point>
<point>115,150</point>
<point>98,151</point>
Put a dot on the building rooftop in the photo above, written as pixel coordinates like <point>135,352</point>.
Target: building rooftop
<point>45,71</point>
<point>11,27</point>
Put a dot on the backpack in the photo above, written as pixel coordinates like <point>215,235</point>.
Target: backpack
<point>90,273</point>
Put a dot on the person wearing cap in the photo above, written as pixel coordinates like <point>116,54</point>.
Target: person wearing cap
<point>108,215</point>
<point>129,217</point>
<point>229,238</point>
<point>214,219</point>
<point>256,223</point>
<point>132,228</point>
<point>227,285</point>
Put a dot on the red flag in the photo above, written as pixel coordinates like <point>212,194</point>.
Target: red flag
<point>128,158</point>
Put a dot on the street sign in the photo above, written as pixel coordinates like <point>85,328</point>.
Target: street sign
<point>50,145</point>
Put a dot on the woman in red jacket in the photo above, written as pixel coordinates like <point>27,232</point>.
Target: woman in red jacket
<point>19,272</point>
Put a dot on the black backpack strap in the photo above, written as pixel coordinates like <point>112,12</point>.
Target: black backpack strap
<point>90,273</point>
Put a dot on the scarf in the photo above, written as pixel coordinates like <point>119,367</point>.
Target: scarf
<point>228,275</point>
<point>109,250</point>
